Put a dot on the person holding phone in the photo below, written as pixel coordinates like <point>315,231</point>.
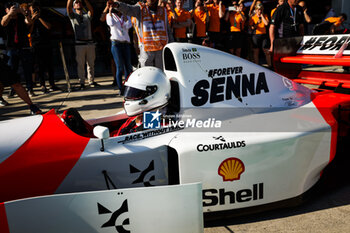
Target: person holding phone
<point>84,43</point>
<point>258,23</point>
<point>16,23</point>
<point>216,12</point>
<point>41,44</point>
<point>308,26</point>
<point>154,32</point>
<point>172,16</point>
<point>201,19</point>
<point>182,22</point>
<point>236,19</point>
<point>121,47</point>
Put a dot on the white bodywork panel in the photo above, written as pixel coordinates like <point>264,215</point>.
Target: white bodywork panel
<point>124,159</point>
<point>213,73</point>
<point>279,164</point>
<point>138,210</point>
<point>17,132</point>
<point>286,140</point>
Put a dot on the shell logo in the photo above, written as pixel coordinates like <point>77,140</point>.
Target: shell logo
<point>231,169</point>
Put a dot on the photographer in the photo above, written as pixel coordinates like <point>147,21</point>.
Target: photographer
<point>84,44</point>
<point>258,23</point>
<point>216,12</point>
<point>121,47</point>
<point>307,18</point>
<point>16,24</point>
<point>151,23</point>
<point>42,51</point>
<point>236,18</point>
<point>201,19</point>
<point>182,22</point>
<point>12,10</point>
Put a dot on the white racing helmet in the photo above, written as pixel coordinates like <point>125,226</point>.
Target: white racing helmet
<point>147,88</point>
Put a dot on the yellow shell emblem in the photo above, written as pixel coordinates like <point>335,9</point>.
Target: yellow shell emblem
<point>231,169</point>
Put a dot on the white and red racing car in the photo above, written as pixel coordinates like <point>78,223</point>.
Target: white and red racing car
<point>251,137</point>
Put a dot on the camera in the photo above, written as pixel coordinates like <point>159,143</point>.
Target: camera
<point>36,9</point>
<point>114,10</point>
<point>11,4</point>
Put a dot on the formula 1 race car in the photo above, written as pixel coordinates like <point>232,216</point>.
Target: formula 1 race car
<point>251,137</point>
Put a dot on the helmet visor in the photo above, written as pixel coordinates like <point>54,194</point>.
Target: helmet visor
<point>132,93</point>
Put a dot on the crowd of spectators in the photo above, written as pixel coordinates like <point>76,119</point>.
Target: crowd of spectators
<point>248,32</point>
<point>145,28</point>
<point>22,30</point>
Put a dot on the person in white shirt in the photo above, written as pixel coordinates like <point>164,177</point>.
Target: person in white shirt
<point>121,50</point>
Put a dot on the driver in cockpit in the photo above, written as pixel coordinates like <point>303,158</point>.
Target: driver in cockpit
<point>147,89</point>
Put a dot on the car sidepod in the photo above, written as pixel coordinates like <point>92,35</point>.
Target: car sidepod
<point>273,140</point>
<point>135,160</point>
<point>266,158</point>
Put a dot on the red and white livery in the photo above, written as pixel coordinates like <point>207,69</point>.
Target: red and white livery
<point>251,137</point>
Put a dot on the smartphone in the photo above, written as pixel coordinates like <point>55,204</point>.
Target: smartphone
<point>15,4</point>
<point>232,8</point>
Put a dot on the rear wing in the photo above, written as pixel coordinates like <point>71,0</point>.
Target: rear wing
<point>326,50</point>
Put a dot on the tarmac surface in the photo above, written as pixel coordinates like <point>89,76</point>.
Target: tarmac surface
<point>327,211</point>
<point>90,102</point>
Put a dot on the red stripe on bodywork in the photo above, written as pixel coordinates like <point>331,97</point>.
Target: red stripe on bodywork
<point>4,227</point>
<point>327,103</point>
<point>40,165</point>
<point>324,60</point>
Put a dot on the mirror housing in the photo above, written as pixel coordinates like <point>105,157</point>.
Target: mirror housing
<point>101,132</point>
